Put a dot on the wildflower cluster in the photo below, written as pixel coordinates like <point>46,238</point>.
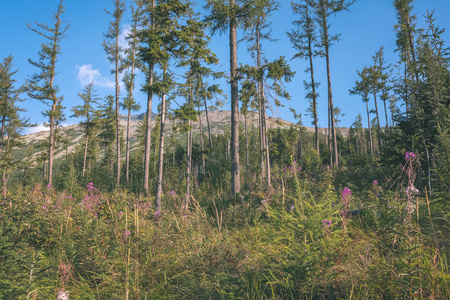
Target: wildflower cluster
<point>91,201</point>
<point>326,223</point>
<point>346,193</point>
<point>409,155</point>
<point>294,168</point>
<point>90,187</point>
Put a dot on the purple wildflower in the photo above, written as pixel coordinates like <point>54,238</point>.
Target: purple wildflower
<point>127,232</point>
<point>409,155</point>
<point>4,179</point>
<point>172,192</point>
<point>326,223</point>
<point>375,182</point>
<point>346,193</point>
<point>49,186</point>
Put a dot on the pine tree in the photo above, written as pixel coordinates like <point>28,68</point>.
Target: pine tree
<point>132,62</point>
<point>107,135</point>
<point>12,124</point>
<point>42,85</point>
<point>323,9</point>
<point>198,59</point>
<point>166,43</point>
<point>88,113</point>
<point>113,51</point>
<point>257,28</point>
<point>147,44</point>
<point>362,87</point>
<point>304,40</point>
<point>224,15</point>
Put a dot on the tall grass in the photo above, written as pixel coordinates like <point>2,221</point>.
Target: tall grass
<point>295,240</point>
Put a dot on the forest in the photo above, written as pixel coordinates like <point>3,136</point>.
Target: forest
<point>183,206</point>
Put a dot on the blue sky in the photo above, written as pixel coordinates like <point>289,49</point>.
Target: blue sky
<point>364,29</point>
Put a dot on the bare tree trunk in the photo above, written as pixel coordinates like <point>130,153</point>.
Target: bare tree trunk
<point>148,129</point>
<point>85,154</point>
<point>129,117</point>
<point>264,151</point>
<point>378,119</point>
<point>330,92</point>
<point>188,168</point>
<point>117,115</point>
<point>128,144</point>
<point>51,145</point>
<point>370,129</point>
<point>189,154</point>
<point>330,152</point>
<point>161,151</point>
<point>246,140</point>
<point>201,138</point>
<point>207,117</point>
<point>313,87</point>
<point>268,162</point>
<point>235,174</point>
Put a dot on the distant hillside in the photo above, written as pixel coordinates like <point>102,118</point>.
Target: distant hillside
<point>220,121</point>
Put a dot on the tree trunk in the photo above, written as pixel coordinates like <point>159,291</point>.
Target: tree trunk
<point>330,92</point>
<point>148,129</point>
<point>51,145</point>
<point>207,117</point>
<point>370,129</point>
<point>128,144</point>
<point>201,138</point>
<point>161,150</point>
<point>189,154</point>
<point>387,120</point>
<point>117,115</point>
<point>313,87</point>
<point>235,174</point>
<point>188,168</point>
<point>265,164</point>
<point>330,152</point>
<point>129,117</point>
<point>378,120</point>
<point>246,140</point>
<point>85,154</point>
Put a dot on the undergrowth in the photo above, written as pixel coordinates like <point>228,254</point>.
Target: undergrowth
<point>299,239</point>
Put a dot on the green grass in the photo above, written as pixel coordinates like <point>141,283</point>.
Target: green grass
<point>267,244</point>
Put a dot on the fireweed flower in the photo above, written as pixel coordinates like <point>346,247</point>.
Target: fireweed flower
<point>375,182</point>
<point>326,223</point>
<point>346,193</point>
<point>49,186</point>
<point>409,155</point>
<point>172,192</point>
<point>4,179</point>
<point>127,233</point>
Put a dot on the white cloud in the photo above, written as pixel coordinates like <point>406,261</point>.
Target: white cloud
<point>41,127</point>
<point>123,43</point>
<point>86,75</point>
<point>38,128</point>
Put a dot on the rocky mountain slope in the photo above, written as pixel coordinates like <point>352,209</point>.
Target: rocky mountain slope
<point>220,122</point>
